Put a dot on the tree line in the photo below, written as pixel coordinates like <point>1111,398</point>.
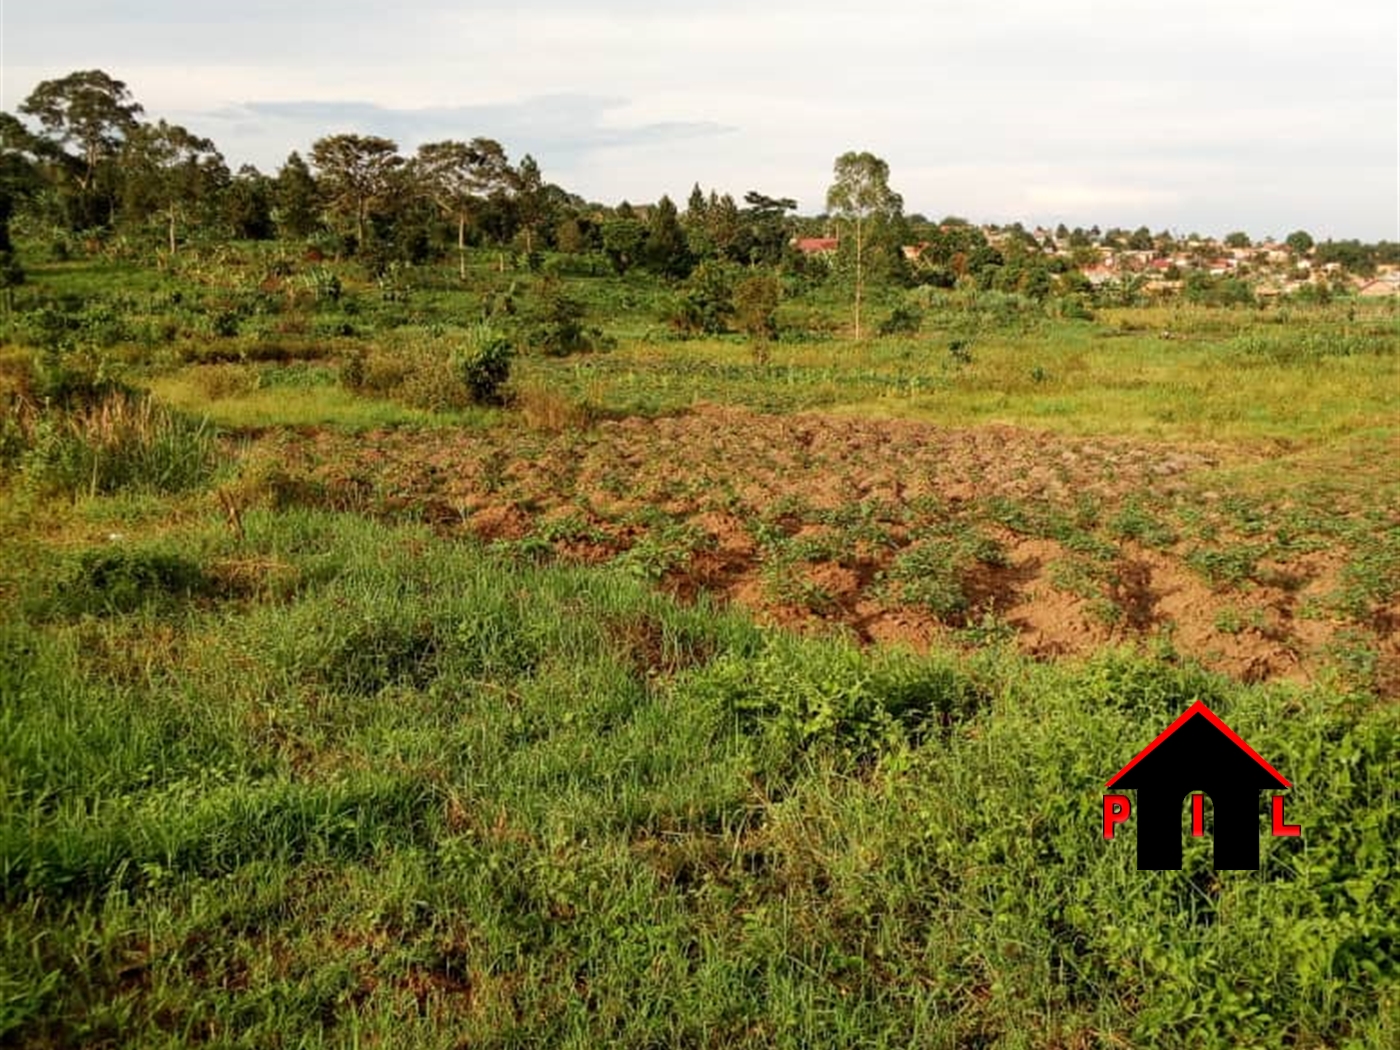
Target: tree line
<point>81,161</point>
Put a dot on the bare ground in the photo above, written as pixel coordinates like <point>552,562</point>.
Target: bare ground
<point>803,520</point>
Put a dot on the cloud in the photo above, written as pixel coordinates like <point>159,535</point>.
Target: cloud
<point>562,131</point>
<point>1179,113</point>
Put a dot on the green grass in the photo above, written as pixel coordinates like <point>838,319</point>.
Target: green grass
<point>1065,377</point>
<point>424,797</point>
<point>295,777</point>
<point>292,406</point>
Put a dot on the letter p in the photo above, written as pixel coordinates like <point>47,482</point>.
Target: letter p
<point>1116,809</point>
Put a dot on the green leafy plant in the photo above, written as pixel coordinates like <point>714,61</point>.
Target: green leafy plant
<point>484,363</point>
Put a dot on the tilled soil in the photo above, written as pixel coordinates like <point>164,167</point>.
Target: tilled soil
<point>804,519</point>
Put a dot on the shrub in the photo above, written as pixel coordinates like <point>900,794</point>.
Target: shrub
<point>706,302</point>
<point>557,322</point>
<point>484,363</point>
<point>903,320</point>
<point>755,306</point>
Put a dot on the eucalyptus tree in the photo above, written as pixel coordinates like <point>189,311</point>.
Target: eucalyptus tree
<point>859,197</point>
<point>356,174</point>
<point>456,175</point>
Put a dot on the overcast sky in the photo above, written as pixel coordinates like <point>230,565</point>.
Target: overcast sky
<point>1192,115</point>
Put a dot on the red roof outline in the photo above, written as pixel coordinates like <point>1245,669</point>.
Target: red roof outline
<point>1199,707</point>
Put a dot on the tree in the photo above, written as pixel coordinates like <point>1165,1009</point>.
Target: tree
<point>1237,239</point>
<point>1300,242</point>
<point>860,196</point>
<point>723,227</point>
<point>532,198</point>
<point>768,230</point>
<point>455,175</point>
<point>695,207</point>
<point>18,180</point>
<point>298,200</point>
<point>624,239</point>
<point>247,206</point>
<point>1141,240</point>
<point>667,252</point>
<point>169,171</point>
<point>91,112</point>
<point>356,173</point>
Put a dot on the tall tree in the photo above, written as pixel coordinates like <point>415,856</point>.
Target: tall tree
<point>19,179</point>
<point>532,199</point>
<point>455,175</point>
<point>1300,242</point>
<point>356,173</point>
<point>297,198</point>
<point>768,228</point>
<point>860,196</point>
<point>695,207</point>
<point>724,227</point>
<point>170,171</point>
<point>667,252</point>
<point>247,205</point>
<point>93,113</point>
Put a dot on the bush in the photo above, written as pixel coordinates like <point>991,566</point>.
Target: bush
<point>557,323</point>
<point>755,306</point>
<point>117,579</point>
<point>903,320</point>
<point>484,364</point>
<point>706,302</point>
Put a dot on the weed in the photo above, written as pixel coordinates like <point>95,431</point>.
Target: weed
<point>1136,522</point>
<point>1233,565</point>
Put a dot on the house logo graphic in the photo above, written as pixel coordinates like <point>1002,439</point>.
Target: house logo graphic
<point>1196,753</point>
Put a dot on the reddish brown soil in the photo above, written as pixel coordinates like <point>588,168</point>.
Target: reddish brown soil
<point>718,472</point>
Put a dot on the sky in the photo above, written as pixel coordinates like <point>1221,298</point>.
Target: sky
<point>1190,115</point>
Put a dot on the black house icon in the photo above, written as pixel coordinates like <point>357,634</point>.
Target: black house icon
<point>1198,752</point>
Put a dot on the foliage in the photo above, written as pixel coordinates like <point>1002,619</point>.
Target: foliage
<point>556,326</point>
<point>707,300</point>
<point>756,306</point>
<point>860,196</point>
<point>483,363</point>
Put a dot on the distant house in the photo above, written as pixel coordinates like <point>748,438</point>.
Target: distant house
<point>816,245</point>
<point>913,251</point>
<point>1099,274</point>
<point>1386,285</point>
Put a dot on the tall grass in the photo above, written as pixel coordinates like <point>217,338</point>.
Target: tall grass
<point>122,441</point>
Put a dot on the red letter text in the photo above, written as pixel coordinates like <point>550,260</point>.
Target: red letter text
<point>1280,828</point>
<point>1116,809</point>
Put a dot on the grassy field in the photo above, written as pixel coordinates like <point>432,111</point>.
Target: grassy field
<point>697,694</point>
